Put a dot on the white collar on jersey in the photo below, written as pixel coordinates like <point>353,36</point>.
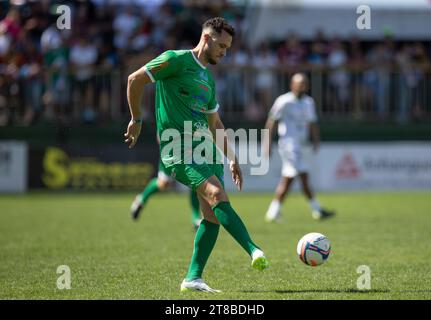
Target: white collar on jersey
<point>197,60</point>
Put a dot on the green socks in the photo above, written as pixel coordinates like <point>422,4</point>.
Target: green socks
<point>194,201</point>
<point>205,240</point>
<point>150,189</point>
<point>233,224</point>
<point>207,233</point>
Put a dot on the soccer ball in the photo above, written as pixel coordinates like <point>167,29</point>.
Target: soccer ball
<point>313,249</point>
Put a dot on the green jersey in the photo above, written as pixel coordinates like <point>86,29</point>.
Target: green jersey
<point>185,95</point>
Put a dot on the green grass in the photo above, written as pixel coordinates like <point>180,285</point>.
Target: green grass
<point>112,257</point>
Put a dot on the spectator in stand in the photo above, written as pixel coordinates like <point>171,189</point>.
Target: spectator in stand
<point>317,58</point>
<point>381,59</point>
<point>422,65</point>
<point>55,61</point>
<point>265,62</point>
<point>125,24</point>
<point>321,40</point>
<point>162,24</point>
<point>83,58</point>
<point>151,7</point>
<point>338,76</point>
<point>356,65</point>
<point>10,29</point>
<point>12,23</point>
<point>107,62</point>
<point>142,36</point>
<point>412,63</point>
<point>292,53</point>
<point>5,52</point>
<point>30,78</point>
<point>104,18</point>
<point>237,61</point>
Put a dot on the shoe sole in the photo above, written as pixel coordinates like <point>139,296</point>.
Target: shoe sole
<point>260,263</point>
<point>183,289</point>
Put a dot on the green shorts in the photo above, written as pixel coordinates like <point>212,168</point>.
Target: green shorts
<point>192,175</point>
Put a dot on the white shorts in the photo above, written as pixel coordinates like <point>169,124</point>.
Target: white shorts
<point>294,160</point>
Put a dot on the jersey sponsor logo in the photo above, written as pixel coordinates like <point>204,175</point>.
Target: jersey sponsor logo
<point>347,168</point>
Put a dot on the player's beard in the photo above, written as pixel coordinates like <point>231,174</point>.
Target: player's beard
<point>211,60</point>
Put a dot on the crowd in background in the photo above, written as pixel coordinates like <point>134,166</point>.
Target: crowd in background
<point>78,74</point>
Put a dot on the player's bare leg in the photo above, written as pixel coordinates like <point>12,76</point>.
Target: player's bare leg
<point>273,214</point>
<point>303,176</point>
<point>317,211</point>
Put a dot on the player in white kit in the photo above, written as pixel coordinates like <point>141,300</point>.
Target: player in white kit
<point>295,114</point>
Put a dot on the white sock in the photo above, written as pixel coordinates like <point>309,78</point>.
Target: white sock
<point>274,209</point>
<point>257,253</point>
<point>314,204</point>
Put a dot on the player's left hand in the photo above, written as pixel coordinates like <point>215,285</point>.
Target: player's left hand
<point>132,134</point>
<point>236,174</point>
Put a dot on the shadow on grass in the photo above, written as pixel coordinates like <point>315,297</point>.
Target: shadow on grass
<point>320,291</point>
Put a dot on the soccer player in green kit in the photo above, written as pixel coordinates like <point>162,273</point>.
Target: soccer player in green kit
<point>185,94</point>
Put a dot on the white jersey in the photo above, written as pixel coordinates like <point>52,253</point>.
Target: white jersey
<point>294,117</point>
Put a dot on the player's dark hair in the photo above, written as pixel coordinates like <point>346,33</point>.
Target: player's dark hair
<point>218,24</point>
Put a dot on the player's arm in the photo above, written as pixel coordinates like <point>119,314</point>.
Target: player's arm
<point>160,68</point>
<point>273,117</point>
<point>135,84</point>
<point>218,131</point>
<point>270,124</point>
<point>315,135</point>
<point>313,126</point>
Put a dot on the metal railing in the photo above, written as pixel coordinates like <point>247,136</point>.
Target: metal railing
<point>245,93</point>
<point>341,94</point>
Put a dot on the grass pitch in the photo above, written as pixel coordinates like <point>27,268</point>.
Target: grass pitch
<point>112,257</point>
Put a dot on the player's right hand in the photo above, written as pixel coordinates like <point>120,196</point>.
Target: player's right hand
<point>132,134</point>
<point>236,174</point>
